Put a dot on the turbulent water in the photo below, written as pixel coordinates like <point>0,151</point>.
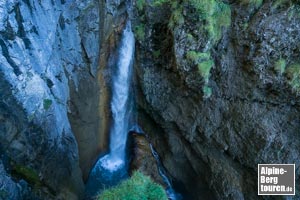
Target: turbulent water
<point>111,168</point>
<point>120,104</point>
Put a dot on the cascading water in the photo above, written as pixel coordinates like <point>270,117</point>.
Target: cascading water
<point>172,195</point>
<point>120,104</point>
<point>111,168</point>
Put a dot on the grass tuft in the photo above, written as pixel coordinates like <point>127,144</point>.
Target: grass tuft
<point>47,104</point>
<point>216,14</point>
<point>280,66</point>
<point>293,73</point>
<point>140,32</point>
<point>207,91</point>
<point>255,3</point>
<point>137,187</point>
<point>203,61</point>
<point>28,174</point>
<point>140,4</point>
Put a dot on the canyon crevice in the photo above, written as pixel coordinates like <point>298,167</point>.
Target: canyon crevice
<point>216,94</point>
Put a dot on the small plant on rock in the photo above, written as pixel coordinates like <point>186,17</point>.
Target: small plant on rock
<point>280,66</point>
<point>293,73</point>
<point>203,61</point>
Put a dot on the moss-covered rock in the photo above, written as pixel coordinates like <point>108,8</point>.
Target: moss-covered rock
<point>280,66</point>
<point>28,174</point>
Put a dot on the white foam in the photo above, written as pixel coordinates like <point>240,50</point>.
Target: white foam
<point>111,164</point>
<point>120,95</point>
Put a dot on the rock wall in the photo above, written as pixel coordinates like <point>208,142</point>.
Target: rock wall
<point>56,60</point>
<point>219,95</point>
<point>217,91</point>
<point>49,59</point>
<point>142,158</point>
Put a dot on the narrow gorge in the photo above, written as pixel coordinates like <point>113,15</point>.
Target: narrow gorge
<point>113,167</point>
<point>167,99</point>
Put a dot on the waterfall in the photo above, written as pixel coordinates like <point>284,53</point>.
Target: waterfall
<point>112,167</point>
<point>120,104</point>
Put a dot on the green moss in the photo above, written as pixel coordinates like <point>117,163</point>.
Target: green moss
<point>204,69</point>
<point>176,18</point>
<point>137,187</point>
<point>28,174</point>
<point>245,26</point>
<point>159,2</point>
<point>293,73</point>
<point>278,3</point>
<point>140,4</point>
<point>203,61</point>
<point>156,54</point>
<point>207,91</point>
<point>280,66</point>
<point>256,3</point>
<point>190,37</point>
<point>197,57</point>
<point>216,14</point>
<point>47,103</point>
<point>140,32</point>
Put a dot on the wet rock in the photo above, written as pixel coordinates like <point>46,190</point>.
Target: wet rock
<point>252,114</point>
<point>8,188</point>
<point>142,158</point>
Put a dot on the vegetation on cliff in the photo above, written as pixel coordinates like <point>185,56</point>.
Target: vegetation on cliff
<point>28,174</point>
<point>214,13</point>
<point>256,3</point>
<point>293,73</point>
<point>280,66</point>
<point>208,19</point>
<point>137,187</point>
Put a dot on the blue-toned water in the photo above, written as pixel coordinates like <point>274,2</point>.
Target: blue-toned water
<point>171,193</point>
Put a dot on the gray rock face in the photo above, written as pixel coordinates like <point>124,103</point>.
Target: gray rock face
<point>252,115</point>
<point>10,189</point>
<point>54,82</point>
<point>46,49</point>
